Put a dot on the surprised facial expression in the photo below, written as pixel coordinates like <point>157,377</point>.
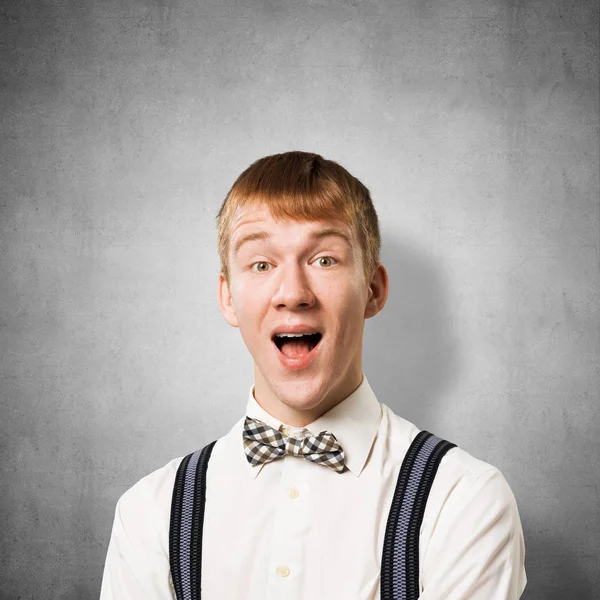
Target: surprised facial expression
<point>291,278</point>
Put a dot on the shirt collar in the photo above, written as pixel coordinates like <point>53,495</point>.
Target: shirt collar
<point>354,422</point>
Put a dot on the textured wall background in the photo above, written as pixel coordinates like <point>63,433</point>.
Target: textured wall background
<point>475,125</point>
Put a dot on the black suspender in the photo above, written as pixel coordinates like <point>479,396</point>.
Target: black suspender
<point>187,520</point>
<point>400,556</point>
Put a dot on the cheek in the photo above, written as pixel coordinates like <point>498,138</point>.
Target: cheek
<point>349,313</point>
<point>250,310</point>
<point>348,302</point>
<point>244,301</point>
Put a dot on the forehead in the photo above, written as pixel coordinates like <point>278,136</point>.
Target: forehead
<point>258,219</point>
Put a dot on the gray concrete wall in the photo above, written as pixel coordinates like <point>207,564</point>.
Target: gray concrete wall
<point>475,125</point>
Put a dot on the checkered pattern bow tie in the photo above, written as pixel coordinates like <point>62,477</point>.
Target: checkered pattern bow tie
<point>263,444</point>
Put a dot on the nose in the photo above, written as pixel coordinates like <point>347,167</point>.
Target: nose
<point>294,289</point>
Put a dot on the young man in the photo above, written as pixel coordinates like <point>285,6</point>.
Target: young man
<point>299,245</point>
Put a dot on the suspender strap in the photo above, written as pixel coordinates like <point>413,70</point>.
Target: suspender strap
<point>187,519</point>
<point>400,559</point>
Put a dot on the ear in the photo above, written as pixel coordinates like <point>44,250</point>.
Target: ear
<point>378,291</point>
<point>226,301</point>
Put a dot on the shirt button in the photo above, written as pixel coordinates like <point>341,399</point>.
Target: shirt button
<point>293,492</point>
<point>283,571</point>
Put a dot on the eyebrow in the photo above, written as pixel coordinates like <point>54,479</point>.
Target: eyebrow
<point>263,236</point>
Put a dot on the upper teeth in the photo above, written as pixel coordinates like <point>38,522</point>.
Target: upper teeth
<point>293,334</point>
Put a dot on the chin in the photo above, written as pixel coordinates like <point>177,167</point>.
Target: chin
<point>303,395</point>
<point>301,404</point>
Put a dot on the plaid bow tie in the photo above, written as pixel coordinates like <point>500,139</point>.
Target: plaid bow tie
<point>263,444</point>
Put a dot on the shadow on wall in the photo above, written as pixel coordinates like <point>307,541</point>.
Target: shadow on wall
<point>556,567</point>
<point>412,359</point>
<point>560,581</point>
<point>411,353</point>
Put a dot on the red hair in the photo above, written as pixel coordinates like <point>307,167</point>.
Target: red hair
<point>303,186</point>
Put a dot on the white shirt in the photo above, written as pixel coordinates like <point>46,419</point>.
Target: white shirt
<point>297,530</point>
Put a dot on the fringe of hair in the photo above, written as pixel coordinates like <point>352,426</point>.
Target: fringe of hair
<point>303,186</point>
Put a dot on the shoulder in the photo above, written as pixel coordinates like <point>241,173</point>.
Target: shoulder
<point>154,492</point>
<point>466,487</point>
<point>148,501</point>
<point>460,478</point>
<point>471,508</point>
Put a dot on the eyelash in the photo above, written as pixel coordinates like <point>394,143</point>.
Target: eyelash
<point>268,263</point>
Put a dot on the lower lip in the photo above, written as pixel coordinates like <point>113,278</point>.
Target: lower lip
<point>302,362</point>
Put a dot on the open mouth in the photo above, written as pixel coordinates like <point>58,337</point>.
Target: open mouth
<point>298,345</point>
